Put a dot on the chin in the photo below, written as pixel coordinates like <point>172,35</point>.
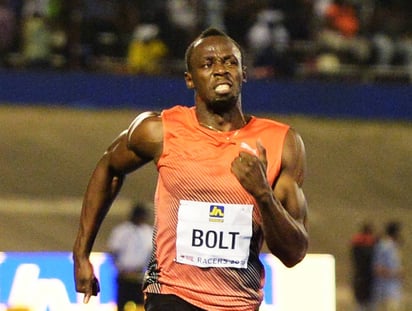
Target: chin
<point>223,104</point>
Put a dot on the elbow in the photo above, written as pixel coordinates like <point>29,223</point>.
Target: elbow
<point>293,260</point>
<point>291,256</point>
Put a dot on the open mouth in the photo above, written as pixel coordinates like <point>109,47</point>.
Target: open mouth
<point>223,88</point>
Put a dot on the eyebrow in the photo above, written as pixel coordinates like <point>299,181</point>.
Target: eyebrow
<point>225,57</point>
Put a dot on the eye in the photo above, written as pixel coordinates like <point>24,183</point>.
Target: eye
<point>231,61</point>
<point>207,64</point>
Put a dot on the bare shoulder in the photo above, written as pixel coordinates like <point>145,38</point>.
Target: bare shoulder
<point>294,156</point>
<point>145,134</point>
<point>145,121</point>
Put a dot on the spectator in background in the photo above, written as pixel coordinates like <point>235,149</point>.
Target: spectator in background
<point>100,30</point>
<point>58,20</point>
<point>7,29</point>
<point>298,17</point>
<point>362,248</point>
<point>340,33</point>
<point>133,13</point>
<point>388,271</point>
<point>392,34</point>
<point>239,17</point>
<point>130,243</point>
<point>35,7</point>
<point>183,23</point>
<point>268,41</point>
<point>36,35</point>
<point>146,52</point>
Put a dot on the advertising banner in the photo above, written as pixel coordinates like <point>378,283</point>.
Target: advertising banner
<point>43,281</point>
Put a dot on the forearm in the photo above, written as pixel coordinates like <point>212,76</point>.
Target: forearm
<point>285,236</point>
<point>101,191</point>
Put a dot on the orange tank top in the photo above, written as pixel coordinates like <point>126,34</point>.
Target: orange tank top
<point>195,165</point>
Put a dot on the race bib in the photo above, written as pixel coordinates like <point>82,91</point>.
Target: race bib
<point>213,234</point>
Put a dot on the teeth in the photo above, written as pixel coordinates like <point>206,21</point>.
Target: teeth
<point>222,88</point>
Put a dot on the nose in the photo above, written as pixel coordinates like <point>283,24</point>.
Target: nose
<point>219,68</point>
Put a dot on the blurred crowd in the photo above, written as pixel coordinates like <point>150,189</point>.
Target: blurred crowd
<point>281,38</point>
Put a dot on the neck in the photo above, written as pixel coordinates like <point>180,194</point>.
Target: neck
<point>221,122</point>
<point>220,116</point>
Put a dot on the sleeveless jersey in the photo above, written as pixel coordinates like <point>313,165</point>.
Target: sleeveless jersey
<point>195,165</point>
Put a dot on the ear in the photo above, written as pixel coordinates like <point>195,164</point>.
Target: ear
<point>244,73</point>
<point>189,80</point>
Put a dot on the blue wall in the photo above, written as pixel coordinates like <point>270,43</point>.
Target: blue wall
<point>383,101</point>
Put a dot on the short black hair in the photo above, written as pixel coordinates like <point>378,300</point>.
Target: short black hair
<point>139,210</point>
<point>393,228</point>
<point>209,32</point>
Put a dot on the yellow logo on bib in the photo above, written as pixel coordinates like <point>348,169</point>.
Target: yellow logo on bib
<point>216,213</point>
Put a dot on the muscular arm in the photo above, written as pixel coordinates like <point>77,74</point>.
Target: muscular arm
<point>132,149</point>
<point>284,211</point>
<point>283,207</point>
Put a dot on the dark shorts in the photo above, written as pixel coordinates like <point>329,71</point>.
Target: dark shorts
<point>163,302</point>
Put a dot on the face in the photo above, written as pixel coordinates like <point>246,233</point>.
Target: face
<point>216,72</point>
